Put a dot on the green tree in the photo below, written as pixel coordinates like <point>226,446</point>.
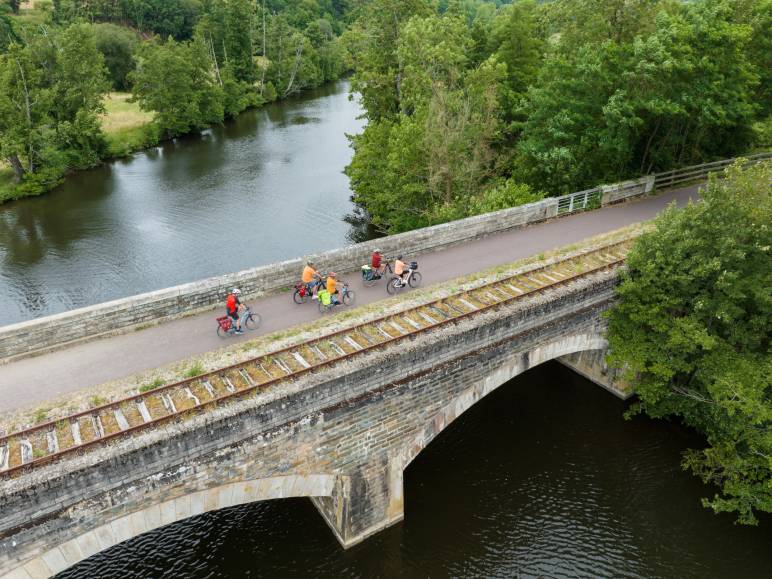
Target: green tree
<point>25,104</point>
<point>51,93</point>
<point>378,69</point>
<point>238,39</point>
<point>612,110</point>
<point>175,18</point>
<point>79,88</point>
<point>757,14</point>
<point>176,81</point>
<point>432,52</point>
<point>581,22</point>
<point>7,32</point>
<point>692,331</point>
<point>117,45</point>
<point>518,44</point>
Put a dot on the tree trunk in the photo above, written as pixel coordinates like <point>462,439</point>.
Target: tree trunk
<point>298,57</point>
<point>18,169</point>
<point>214,59</point>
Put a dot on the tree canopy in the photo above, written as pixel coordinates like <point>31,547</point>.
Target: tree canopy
<point>692,332</point>
<point>578,93</point>
<point>50,97</point>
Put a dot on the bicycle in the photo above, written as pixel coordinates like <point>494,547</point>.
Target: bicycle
<point>249,320</point>
<point>326,304</point>
<point>302,292</point>
<point>370,276</point>
<point>413,279</point>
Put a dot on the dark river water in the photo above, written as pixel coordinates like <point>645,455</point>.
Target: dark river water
<point>543,478</point>
<point>265,187</point>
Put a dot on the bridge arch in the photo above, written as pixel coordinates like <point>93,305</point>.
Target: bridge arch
<point>512,367</point>
<point>160,514</point>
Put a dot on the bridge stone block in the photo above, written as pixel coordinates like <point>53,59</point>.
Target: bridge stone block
<point>364,502</point>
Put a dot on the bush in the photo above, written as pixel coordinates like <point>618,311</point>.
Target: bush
<point>763,133</point>
<point>117,45</point>
<point>125,141</point>
<point>269,92</point>
<point>503,196</point>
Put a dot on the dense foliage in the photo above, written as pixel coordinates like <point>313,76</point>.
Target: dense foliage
<point>692,331</point>
<point>50,97</point>
<point>190,62</point>
<point>548,97</point>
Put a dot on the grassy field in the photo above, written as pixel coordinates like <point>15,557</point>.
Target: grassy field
<point>126,127</point>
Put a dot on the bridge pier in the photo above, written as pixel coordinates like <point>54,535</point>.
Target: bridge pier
<point>364,502</point>
<point>592,365</point>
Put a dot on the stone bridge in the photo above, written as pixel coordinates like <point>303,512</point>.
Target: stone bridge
<point>341,436</point>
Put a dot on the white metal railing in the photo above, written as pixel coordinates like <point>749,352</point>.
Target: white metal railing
<point>580,201</point>
<point>593,198</point>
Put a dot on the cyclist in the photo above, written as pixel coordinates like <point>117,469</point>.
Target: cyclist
<point>233,308</point>
<point>311,278</point>
<point>401,270</point>
<point>377,263</point>
<point>332,287</point>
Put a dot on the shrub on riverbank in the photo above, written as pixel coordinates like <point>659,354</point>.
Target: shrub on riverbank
<point>127,128</point>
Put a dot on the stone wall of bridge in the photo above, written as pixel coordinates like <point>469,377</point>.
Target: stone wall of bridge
<point>122,315</point>
<point>592,365</point>
<point>342,436</point>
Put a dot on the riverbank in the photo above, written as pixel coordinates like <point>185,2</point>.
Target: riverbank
<point>127,130</point>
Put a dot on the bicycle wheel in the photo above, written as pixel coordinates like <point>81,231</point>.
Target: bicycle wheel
<point>349,298</point>
<point>298,298</point>
<point>322,308</point>
<point>221,333</point>
<point>415,279</point>
<point>253,321</point>
<point>369,282</point>
<point>393,286</point>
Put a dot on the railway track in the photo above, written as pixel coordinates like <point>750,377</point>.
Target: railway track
<point>42,444</point>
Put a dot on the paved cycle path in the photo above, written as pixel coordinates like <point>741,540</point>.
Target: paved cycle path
<point>33,380</point>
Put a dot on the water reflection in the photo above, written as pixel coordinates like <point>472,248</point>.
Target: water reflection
<point>543,478</point>
<point>266,187</point>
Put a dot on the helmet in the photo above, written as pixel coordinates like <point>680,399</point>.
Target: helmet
<point>376,250</point>
<point>236,291</point>
<point>399,257</point>
<point>310,262</point>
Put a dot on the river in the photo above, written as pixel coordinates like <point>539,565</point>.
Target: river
<point>543,478</point>
<point>262,188</point>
